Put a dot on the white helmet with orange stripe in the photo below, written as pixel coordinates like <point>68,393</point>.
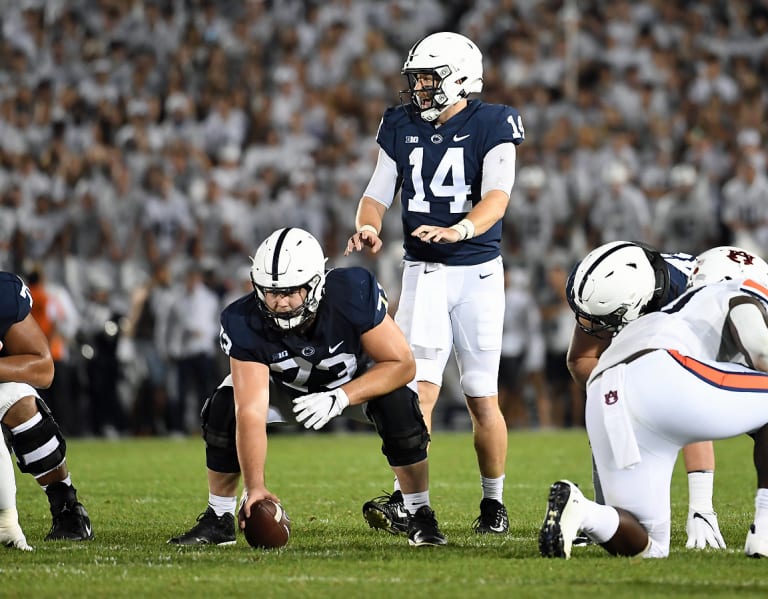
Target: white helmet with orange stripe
<point>727,262</point>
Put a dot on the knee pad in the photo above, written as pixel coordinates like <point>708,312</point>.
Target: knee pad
<point>400,425</point>
<point>479,384</point>
<point>39,447</point>
<point>218,418</point>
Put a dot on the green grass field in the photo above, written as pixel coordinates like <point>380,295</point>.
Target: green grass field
<point>141,492</point>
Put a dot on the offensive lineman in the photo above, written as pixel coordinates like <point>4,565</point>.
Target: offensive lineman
<point>327,345</point>
<point>671,378</point>
<point>453,162</point>
<point>30,430</point>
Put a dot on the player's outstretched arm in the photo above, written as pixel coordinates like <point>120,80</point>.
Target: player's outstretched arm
<point>250,381</point>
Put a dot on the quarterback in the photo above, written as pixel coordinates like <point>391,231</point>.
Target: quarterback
<point>452,160</point>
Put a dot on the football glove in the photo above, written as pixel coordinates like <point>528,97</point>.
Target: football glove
<point>703,530</point>
<point>316,409</point>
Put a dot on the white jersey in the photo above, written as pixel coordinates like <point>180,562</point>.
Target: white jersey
<point>695,324</point>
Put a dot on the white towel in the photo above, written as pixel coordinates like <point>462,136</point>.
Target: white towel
<point>618,424</point>
<point>430,324</point>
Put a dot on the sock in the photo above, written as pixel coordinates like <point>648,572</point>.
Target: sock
<point>700,485</point>
<point>600,522</point>
<point>222,505</point>
<point>493,488</point>
<point>7,479</point>
<point>396,486</point>
<point>67,481</point>
<point>761,509</point>
<point>413,501</point>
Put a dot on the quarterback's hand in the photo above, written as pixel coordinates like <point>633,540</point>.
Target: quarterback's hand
<point>703,530</point>
<point>366,237</point>
<point>318,408</point>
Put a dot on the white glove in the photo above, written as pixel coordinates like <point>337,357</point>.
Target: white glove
<point>318,408</point>
<point>703,530</point>
<point>11,534</point>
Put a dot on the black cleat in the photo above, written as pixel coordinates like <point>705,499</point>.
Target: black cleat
<point>493,518</point>
<point>387,512</point>
<point>562,521</point>
<point>70,519</point>
<point>209,530</point>
<point>423,530</point>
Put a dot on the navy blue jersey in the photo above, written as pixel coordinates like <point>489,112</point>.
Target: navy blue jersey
<point>15,301</point>
<point>679,267</point>
<point>440,171</point>
<point>329,354</point>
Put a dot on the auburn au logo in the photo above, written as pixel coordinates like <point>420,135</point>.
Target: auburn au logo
<point>611,397</point>
<point>741,257</point>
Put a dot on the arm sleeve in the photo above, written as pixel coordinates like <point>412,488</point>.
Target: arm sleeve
<point>383,182</point>
<point>499,169</point>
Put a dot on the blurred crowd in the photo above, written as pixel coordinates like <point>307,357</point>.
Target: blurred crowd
<point>148,146</point>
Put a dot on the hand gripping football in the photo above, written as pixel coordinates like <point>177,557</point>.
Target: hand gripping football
<point>268,526</point>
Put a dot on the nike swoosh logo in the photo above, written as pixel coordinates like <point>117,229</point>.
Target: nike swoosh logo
<point>698,515</point>
<point>461,138</point>
<point>333,348</point>
<point>485,276</point>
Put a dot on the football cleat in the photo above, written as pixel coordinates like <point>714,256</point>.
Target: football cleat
<point>565,511</point>
<point>70,518</point>
<point>493,518</point>
<point>423,530</point>
<point>756,544</point>
<point>209,530</point>
<point>387,512</point>
<point>11,534</point>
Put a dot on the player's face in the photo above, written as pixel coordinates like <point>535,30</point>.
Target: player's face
<point>424,84</point>
<point>285,300</point>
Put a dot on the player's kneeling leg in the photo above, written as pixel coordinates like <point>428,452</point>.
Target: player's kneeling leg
<point>40,448</point>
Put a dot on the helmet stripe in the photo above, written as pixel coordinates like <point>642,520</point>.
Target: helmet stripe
<point>597,262</point>
<point>276,255</point>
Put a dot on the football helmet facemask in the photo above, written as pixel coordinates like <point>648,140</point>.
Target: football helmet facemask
<point>726,262</point>
<point>456,66</point>
<point>287,260</point>
<point>614,285</point>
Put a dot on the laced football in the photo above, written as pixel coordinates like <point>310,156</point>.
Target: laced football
<point>268,526</point>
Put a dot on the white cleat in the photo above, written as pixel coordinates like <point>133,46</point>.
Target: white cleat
<point>11,534</point>
<point>565,512</point>
<point>756,544</point>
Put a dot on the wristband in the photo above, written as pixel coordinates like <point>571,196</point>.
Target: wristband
<point>369,228</point>
<point>465,228</point>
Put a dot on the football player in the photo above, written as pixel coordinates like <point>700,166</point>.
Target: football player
<point>28,426</point>
<point>693,371</point>
<point>613,285</point>
<point>311,345</point>
<point>452,160</point>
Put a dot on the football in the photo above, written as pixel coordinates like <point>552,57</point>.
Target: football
<point>268,527</point>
